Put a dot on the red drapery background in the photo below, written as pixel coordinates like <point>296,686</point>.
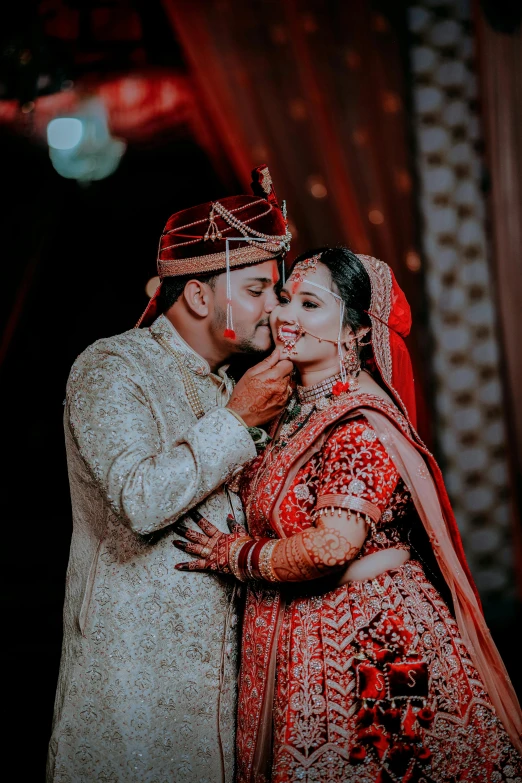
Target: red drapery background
<point>500,65</point>
<point>316,90</point>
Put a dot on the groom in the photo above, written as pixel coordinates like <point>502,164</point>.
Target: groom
<point>154,427</point>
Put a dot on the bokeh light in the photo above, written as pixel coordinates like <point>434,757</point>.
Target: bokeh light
<point>317,187</point>
<point>376,217</point>
<point>152,286</point>
<point>64,133</point>
<point>413,261</point>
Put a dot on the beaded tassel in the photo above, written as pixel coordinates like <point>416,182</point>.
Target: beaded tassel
<point>229,331</point>
<point>248,235</point>
<point>212,231</point>
<point>339,344</point>
<point>152,303</point>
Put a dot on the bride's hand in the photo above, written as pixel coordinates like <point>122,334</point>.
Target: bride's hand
<point>210,546</point>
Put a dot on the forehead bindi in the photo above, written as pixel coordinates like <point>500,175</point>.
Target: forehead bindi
<point>319,274</point>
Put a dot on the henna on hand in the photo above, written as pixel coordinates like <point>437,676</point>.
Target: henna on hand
<point>263,391</point>
<point>191,535</point>
<point>328,548</point>
<point>302,557</point>
<point>212,547</point>
<point>311,554</point>
<point>259,394</point>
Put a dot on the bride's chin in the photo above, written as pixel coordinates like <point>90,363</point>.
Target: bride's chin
<point>308,356</point>
<point>298,362</point>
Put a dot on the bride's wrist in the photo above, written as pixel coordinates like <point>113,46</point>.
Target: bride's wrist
<point>233,556</point>
<point>264,561</point>
<point>250,559</point>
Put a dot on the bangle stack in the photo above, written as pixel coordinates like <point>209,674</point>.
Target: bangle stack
<point>250,559</point>
<point>233,555</point>
<point>266,571</point>
<point>244,559</point>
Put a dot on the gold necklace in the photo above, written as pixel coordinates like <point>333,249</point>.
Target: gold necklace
<point>307,394</point>
<point>274,449</point>
<point>324,392</point>
<point>188,381</point>
<point>297,417</point>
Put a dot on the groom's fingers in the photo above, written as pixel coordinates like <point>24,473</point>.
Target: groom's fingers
<point>283,368</point>
<point>267,363</point>
<point>275,366</point>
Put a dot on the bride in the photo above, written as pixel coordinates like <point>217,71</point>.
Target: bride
<point>365,655</point>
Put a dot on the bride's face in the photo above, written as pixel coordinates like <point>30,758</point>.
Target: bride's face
<point>304,306</point>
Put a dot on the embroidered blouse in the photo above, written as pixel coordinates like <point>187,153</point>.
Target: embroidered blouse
<point>352,466</point>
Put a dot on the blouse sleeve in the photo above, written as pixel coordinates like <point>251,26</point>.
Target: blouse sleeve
<point>357,473</point>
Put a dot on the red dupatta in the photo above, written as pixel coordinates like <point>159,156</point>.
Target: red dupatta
<point>391,321</point>
<point>390,316</point>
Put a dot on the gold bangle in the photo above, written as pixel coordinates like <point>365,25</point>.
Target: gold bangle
<point>238,417</point>
<point>327,503</point>
<point>233,555</point>
<point>265,562</point>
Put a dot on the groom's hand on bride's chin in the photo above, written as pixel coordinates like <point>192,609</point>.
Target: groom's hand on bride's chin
<point>263,391</point>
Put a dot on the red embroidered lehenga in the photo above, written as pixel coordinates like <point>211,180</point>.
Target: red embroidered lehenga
<point>381,680</point>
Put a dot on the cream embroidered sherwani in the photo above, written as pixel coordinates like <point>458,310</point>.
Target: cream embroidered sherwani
<point>147,684</point>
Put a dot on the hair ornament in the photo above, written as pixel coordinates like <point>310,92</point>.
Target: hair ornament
<point>303,268</point>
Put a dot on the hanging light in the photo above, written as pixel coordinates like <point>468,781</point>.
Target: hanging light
<point>64,133</point>
<point>81,146</point>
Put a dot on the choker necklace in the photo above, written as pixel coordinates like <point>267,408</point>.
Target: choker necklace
<point>308,399</point>
<point>313,393</point>
<point>321,393</point>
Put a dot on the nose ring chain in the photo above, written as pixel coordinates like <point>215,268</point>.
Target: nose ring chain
<point>289,339</point>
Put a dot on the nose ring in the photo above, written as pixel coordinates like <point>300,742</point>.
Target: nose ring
<point>289,340</point>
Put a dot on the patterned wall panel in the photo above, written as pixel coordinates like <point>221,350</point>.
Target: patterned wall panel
<point>471,429</point>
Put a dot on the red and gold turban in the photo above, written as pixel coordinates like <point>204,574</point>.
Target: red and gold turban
<point>220,235</point>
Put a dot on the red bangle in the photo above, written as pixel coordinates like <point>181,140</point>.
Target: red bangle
<point>243,556</point>
<point>254,558</point>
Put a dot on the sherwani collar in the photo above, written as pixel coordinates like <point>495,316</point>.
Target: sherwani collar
<point>196,363</point>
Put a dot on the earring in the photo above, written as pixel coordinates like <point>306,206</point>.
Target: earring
<point>352,364</point>
<point>351,358</point>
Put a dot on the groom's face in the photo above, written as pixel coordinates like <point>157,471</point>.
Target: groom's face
<point>253,299</point>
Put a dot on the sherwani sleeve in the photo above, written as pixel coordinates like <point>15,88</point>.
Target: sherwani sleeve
<point>148,481</point>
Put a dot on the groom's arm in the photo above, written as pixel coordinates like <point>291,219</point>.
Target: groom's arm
<point>148,481</point>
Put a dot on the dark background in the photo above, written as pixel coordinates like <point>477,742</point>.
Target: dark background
<point>80,258</point>
<point>75,261</point>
